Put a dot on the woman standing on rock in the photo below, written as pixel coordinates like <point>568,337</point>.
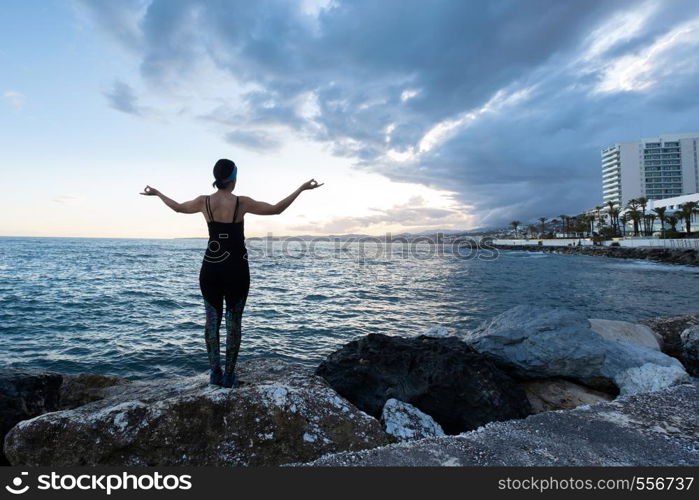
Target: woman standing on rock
<point>224,272</point>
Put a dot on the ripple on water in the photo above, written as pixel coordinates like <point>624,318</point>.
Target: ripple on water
<point>138,321</point>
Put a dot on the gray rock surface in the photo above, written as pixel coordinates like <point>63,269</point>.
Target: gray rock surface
<point>625,331</point>
<point>651,429</point>
<point>670,328</point>
<point>280,413</point>
<point>24,394</point>
<point>560,394</point>
<point>542,342</point>
<point>405,422</point>
<point>690,349</point>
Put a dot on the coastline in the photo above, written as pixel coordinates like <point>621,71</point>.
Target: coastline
<point>682,256</point>
<point>628,380</point>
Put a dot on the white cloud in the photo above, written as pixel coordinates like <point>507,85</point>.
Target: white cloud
<point>408,94</point>
<point>642,70</point>
<point>14,99</point>
<point>445,129</point>
<point>70,200</point>
<point>621,27</point>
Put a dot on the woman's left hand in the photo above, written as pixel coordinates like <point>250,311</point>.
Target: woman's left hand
<point>312,184</point>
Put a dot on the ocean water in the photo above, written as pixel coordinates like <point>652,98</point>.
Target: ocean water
<point>133,307</point>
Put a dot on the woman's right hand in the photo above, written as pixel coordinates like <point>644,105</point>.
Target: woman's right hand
<point>149,191</point>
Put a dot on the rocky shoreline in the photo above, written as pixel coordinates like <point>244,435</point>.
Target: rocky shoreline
<point>683,256</point>
<point>532,386</point>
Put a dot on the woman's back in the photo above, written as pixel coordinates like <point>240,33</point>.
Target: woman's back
<point>222,207</point>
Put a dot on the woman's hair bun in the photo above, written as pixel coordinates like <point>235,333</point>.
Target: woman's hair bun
<point>222,171</point>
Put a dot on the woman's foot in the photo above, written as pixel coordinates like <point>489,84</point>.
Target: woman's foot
<point>230,380</point>
<point>216,376</point>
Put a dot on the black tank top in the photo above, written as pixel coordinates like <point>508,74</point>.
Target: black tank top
<point>226,240</point>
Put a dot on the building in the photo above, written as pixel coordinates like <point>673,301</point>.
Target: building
<point>654,168</point>
<point>672,204</point>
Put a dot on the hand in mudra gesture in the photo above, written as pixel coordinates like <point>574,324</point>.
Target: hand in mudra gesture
<point>149,191</point>
<point>312,184</point>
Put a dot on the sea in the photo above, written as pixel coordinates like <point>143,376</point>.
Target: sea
<point>132,307</point>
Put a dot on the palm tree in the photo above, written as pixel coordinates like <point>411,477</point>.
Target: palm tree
<point>543,224</point>
<point>515,224</point>
<point>649,222</point>
<point>601,221</point>
<point>643,203</point>
<point>673,220</point>
<point>598,209</point>
<point>613,214</point>
<point>554,226</point>
<point>623,220</point>
<point>565,220</point>
<point>660,214</point>
<point>634,214</point>
<point>687,211</point>
<point>532,229</point>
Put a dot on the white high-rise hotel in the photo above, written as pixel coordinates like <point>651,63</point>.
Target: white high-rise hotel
<point>655,168</point>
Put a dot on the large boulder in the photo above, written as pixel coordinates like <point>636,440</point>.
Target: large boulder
<point>442,377</point>
<point>405,422</point>
<point>651,429</point>
<point>690,349</point>
<point>542,342</point>
<point>280,413</point>
<point>670,328</point>
<point>624,331</point>
<point>560,394</point>
<point>24,394</point>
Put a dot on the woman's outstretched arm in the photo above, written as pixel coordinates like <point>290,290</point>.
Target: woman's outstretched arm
<point>261,208</point>
<point>188,207</point>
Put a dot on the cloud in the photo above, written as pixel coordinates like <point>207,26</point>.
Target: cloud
<point>256,140</point>
<point>505,104</point>
<point>14,99</point>
<point>414,215</point>
<point>121,97</point>
<point>120,20</point>
<point>70,200</point>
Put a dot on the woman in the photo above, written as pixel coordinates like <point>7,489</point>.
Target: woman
<point>224,274</point>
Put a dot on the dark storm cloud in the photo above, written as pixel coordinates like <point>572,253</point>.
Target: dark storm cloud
<point>531,156</point>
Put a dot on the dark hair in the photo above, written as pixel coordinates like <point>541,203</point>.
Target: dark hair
<point>222,171</point>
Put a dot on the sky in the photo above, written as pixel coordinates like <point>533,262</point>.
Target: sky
<point>417,115</point>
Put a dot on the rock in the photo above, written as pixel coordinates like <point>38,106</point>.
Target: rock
<point>651,429</point>
<point>83,388</point>
<point>682,256</point>
<point>280,413</point>
<point>670,328</point>
<point>444,378</point>
<point>437,331</point>
<point>623,331</point>
<point>405,422</point>
<point>24,394</point>
<point>543,342</point>
<point>559,394</point>
<point>690,349</point>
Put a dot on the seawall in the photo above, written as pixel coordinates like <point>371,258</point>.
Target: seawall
<point>684,256</point>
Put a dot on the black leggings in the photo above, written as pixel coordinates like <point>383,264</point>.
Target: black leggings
<point>235,293</point>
